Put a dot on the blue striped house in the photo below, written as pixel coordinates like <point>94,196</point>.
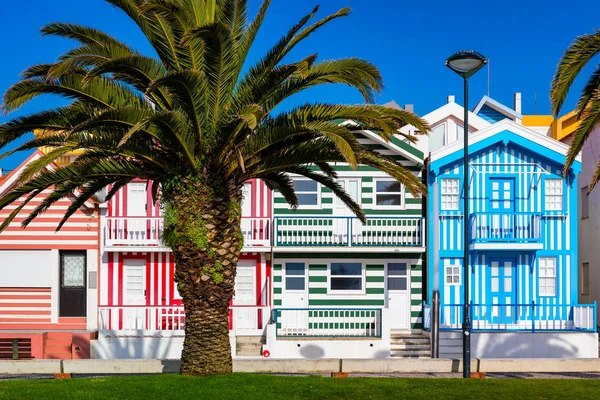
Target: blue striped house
<point>522,239</point>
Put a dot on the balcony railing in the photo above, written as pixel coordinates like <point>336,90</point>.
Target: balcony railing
<point>349,231</point>
<point>172,318</point>
<point>147,231</point>
<point>327,322</point>
<point>520,317</point>
<point>505,227</point>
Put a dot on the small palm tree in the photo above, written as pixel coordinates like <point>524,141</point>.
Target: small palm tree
<point>196,125</point>
<point>577,56</point>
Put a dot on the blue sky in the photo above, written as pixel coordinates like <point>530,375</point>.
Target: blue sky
<point>407,40</point>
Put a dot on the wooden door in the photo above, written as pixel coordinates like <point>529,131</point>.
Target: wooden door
<point>72,296</point>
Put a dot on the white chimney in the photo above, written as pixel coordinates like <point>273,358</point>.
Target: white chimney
<point>451,98</point>
<point>518,106</point>
<point>409,108</point>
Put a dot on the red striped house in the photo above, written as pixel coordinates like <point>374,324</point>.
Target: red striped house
<point>48,279</point>
<point>140,308</point>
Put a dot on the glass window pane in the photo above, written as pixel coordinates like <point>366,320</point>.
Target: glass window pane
<point>389,199</point>
<point>397,268</point>
<point>495,285</point>
<point>456,279</point>
<point>508,284</point>
<point>390,186</point>
<point>305,186</point>
<point>294,283</point>
<point>346,283</point>
<point>294,269</point>
<point>396,283</point>
<point>73,270</point>
<point>307,199</point>
<point>346,269</point>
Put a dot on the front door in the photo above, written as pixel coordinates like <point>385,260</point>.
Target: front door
<point>398,296</point>
<point>134,294</point>
<point>72,298</point>
<point>352,187</point>
<point>136,207</point>
<point>502,207</point>
<point>294,317</point>
<point>502,290</point>
<point>245,295</point>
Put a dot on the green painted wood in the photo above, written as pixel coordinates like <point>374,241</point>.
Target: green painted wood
<point>317,279</point>
<point>345,302</point>
<point>277,290</point>
<point>374,290</point>
<point>372,267</point>
<point>277,278</point>
<point>375,278</point>
<point>317,267</point>
<point>317,290</point>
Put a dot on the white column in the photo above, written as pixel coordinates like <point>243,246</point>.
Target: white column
<point>92,294</point>
<point>55,286</point>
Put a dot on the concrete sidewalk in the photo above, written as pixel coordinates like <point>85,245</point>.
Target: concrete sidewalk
<point>324,366</point>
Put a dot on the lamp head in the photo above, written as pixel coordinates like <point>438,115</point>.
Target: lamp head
<point>466,62</point>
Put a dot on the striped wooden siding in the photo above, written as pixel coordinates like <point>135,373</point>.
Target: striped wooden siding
<point>558,229</point>
<point>160,286</point>
<point>24,306</point>
<point>491,115</point>
<point>79,233</point>
<point>374,296</point>
<point>261,202</point>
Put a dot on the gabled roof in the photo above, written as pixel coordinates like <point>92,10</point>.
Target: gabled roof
<point>452,110</point>
<point>395,144</point>
<point>501,108</point>
<point>11,178</point>
<point>504,131</point>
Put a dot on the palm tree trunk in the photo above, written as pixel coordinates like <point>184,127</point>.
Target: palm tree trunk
<point>202,227</point>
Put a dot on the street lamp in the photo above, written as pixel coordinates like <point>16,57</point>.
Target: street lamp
<point>465,63</point>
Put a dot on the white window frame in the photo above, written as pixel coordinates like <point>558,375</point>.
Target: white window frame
<point>442,194</point>
<point>546,276</point>
<point>347,292</point>
<point>402,205</point>
<point>547,196</point>
<point>453,274</point>
<point>318,193</point>
<point>285,276</point>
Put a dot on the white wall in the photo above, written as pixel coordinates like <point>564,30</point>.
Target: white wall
<point>25,268</point>
<point>137,347</point>
<point>589,229</point>
<point>522,345</point>
<point>92,294</point>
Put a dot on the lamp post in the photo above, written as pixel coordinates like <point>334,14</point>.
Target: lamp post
<point>465,63</point>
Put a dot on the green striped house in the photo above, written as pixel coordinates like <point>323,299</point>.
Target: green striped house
<point>324,257</point>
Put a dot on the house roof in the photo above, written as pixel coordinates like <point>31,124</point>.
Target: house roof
<point>507,131</point>
<point>501,108</point>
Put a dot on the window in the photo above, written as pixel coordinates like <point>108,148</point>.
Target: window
<point>453,275</point>
<point>73,269</point>
<point>295,276</point>
<point>585,278</point>
<point>397,276</point>
<point>307,192</point>
<point>450,193</point>
<point>547,268</point>
<point>388,193</point>
<point>346,276</point>
<point>585,203</point>
<point>554,194</point>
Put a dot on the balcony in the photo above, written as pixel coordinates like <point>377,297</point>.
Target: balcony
<point>339,233</point>
<point>145,233</point>
<point>505,231</point>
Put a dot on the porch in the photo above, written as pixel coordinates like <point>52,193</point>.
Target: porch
<point>517,317</point>
<point>505,231</point>
<point>344,232</point>
<point>145,234</point>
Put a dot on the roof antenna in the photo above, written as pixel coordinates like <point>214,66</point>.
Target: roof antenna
<point>489,76</point>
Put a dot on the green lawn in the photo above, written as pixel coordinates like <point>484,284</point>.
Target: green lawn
<point>263,387</point>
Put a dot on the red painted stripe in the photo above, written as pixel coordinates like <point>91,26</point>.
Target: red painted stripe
<point>52,246</point>
<point>149,262</point>
<point>120,291</point>
<point>165,277</point>
<point>24,297</point>
<point>22,320</point>
<point>157,261</point>
<point>65,228</point>
<point>24,289</point>
<point>44,325</point>
<point>72,320</point>
<point>10,305</point>
<point>110,276</point>
<point>22,312</point>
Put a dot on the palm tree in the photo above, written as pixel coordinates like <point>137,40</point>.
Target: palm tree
<point>577,56</point>
<point>196,125</point>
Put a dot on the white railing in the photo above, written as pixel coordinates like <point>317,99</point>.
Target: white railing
<point>141,318</point>
<point>521,317</point>
<point>505,227</point>
<point>329,322</point>
<point>349,231</point>
<point>172,318</point>
<point>256,231</point>
<point>147,231</point>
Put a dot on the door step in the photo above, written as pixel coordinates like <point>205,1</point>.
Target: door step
<point>404,345</point>
<point>248,345</point>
